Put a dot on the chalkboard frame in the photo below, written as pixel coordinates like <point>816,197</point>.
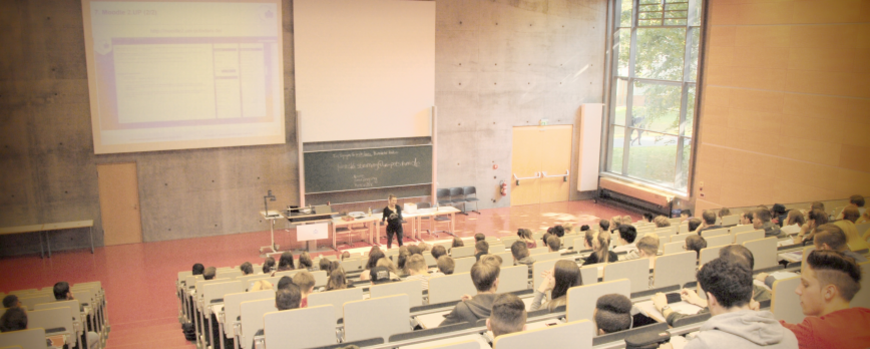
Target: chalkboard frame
<point>429,173</point>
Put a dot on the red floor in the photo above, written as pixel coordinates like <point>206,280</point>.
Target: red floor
<point>139,279</point>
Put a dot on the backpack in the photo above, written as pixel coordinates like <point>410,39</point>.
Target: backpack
<point>189,331</point>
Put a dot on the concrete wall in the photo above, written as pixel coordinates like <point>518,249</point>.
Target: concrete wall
<point>785,103</point>
<point>499,64</point>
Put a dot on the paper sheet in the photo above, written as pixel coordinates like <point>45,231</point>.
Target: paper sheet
<point>648,309</point>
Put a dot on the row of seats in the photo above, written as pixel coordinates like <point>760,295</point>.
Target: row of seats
<point>457,196</point>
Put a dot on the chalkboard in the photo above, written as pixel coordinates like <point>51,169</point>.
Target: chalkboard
<point>370,168</point>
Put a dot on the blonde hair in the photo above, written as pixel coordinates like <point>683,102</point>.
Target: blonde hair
<point>661,221</point>
<point>261,285</point>
<point>649,244</point>
<point>386,263</point>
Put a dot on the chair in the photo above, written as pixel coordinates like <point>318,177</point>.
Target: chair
<point>73,307</point>
<point>547,256</point>
<point>463,265</point>
<point>508,241</point>
<point>411,288</point>
<point>457,197</point>
<point>741,229</point>
<point>252,318</point>
<point>784,303</point>
<point>708,254</point>
<point>713,232</point>
<point>538,269</point>
<point>352,264</point>
<point>577,334</point>
<point>233,310</point>
<point>214,294</point>
<point>282,328</point>
<point>862,298</point>
<point>513,279</point>
<point>30,302</point>
<point>507,258</point>
<point>55,321</point>
<point>467,191</point>
<point>674,269</point>
<point>581,299</point>
<point>33,338</point>
<point>392,317</point>
<point>336,298</point>
<point>730,220</point>
<point>589,274</point>
<point>430,260</point>
<point>764,252</point>
<point>449,288</point>
<point>228,274</point>
<point>579,244</point>
<point>740,238</point>
<point>496,248</point>
<point>442,196</point>
<point>460,252</point>
<point>320,278</point>
<point>719,240</point>
<point>636,270</point>
<point>538,250</point>
<point>467,344</point>
<point>673,247</point>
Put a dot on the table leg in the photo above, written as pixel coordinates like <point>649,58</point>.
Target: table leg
<point>91,233</point>
<point>334,245</point>
<point>452,224</point>
<point>48,243</point>
<point>41,246</point>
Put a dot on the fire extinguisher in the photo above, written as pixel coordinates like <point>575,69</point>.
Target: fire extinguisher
<point>504,188</point>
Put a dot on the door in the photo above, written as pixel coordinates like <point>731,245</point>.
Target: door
<point>542,152</point>
<point>119,203</point>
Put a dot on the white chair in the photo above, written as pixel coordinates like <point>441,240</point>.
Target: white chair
<point>460,252</point>
<point>252,319</point>
<point>538,268</point>
<point>320,278</point>
<point>513,279</point>
<point>213,292</point>
<point>673,247</point>
<point>581,299</point>
<point>57,320</point>
<point>674,269</point>
<point>352,264</point>
<point>74,308</point>
<point>463,265</point>
<point>740,238</point>
<point>33,338</point>
<point>509,241</point>
<point>466,344</point>
<point>495,248</point>
<point>450,288</point>
<point>285,329</point>
<point>635,270</point>
<point>741,229</point>
<point>862,298</point>
<point>430,261</point>
<point>30,302</point>
<point>413,288</point>
<point>730,220</point>
<point>539,250</point>
<point>719,240</point>
<point>577,334</point>
<point>579,244</point>
<point>547,256</point>
<point>336,298</point>
<point>713,232</point>
<point>784,303</point>
<point>228,274</point>
<point>589,274</point>
<point>763,251</point>
<point>233,310</point>
<point>507,259</point>
<point>376,317</point>
<point>708,254</point>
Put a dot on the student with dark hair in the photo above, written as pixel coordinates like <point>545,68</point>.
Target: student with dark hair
<point>794,220</point>
<point>457,242</point>
<point>612,313</point>
<point>778,214</point>
<point>553,243</point>
<point>627,235</point>
<point>761,219</point>
<point>520,253</point>
<point>728,286</point>
<point>724,212</point>
<point>305,261</point>
<point>11,301</point>
<point>209,273</point>
<point>709,221</point>
<point>858,201</point>
<point>508,315</point>
<point>695,243</point>
<point>269,265</point>
<point>604,225</point>
<point>831,237</point>
<point>648,217</point>
<point>746,218</point>
<point>247,268</point>
<point>438,251</point>
<point>479,237</point>
<point>446,265</point>
<point>305,281</point>
<point>61,291</point>
<point>14,319</point>
<point>695,224</point>
<point>401,259</point>
<point>685,214</point>
<point>601,250</point>
<point>828,284</point>
<point>564,275</point>
<point>323,264</point>
<point>584,228</point>
<point>815,218</point>
<point>414,249</point>
<point>484,275</point>
<point>557,230</point>
<point>851,214</point>
<point>374,255</point>
<point>345,255</point>
<point>198,268</point>
<point>338,280</point>
<point>285,262</point>
<point>481,247</point>
<point>288,298</point>
<point>526,236</point>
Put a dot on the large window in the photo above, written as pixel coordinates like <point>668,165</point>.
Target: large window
<point>652,94</point>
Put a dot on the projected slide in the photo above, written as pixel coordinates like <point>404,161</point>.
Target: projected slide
<point>178,75</point>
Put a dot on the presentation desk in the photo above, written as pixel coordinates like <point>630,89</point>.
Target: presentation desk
<point>39,228</point>
<point>416,220</point>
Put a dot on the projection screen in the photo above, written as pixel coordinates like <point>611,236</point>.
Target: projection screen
<point>182,75</point>
<point>365,69</point>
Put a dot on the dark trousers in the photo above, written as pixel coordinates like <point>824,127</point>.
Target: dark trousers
<point>390,232</point>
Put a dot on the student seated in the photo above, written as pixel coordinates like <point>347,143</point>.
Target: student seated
<point>11,301</point>
<point>853,240</point>
<point>418,270</point>
<point>793,222</point>
<point>438,251</point>
<point>269,265</point>
<point>709,221</point>
<point>685,215</point>
<point>481,247</point>
<point>197,269</point>
<point>288,298</point>
<point>828,284</point>
<point>284,282</point>
<point>374,256</point>
<point>858,201</point>
<point>612,313</point>
<point>557,230</point>
<point>553,243</point>
<point>323,264</point>
<point>209,273</point>
<point>414,249</point>
<point>728,286</point>
<point>457,242</point>
<point>627,236</point>
<point>446,265</point>
<point>604,225</point>
<point>337,281</point>
<point>778,214</point>
<point>694,225</point>
<point>564,275</point>
<point>601,250</point>
<point>746,218</point>
<point>761,219</point>
<point>526,236</point>
<point>815,218</point>
<point>724,212</point>
<point>647,247</point>
<point>247,268</point>
<point>484,275</point>
<point>285,262</point>
<point>662,221</point>
<point>14,319</point>
<point>305,281</point>
<point>391,268</point>
<point>520,253</point>
<point>695,243</point>
<point>345,255</point>
<point>305,262</point>
<point>62,293</point>
<point>508,315</point>
<point>479,237</point>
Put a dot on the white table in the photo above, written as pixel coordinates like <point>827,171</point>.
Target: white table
<point>371,221</point>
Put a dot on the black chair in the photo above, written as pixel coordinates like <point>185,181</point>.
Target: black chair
<point>443,197</point>
<point>456,197</point>
<point>471,191</point>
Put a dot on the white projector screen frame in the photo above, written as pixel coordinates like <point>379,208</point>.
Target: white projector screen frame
<point>365,69</point>
<point>168,75</point>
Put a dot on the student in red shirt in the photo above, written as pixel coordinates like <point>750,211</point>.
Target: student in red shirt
<point>827,286</point>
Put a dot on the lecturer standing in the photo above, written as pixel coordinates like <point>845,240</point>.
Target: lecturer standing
<point>393,216</point>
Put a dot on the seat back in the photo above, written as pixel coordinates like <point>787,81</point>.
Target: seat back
<point>538,250</point>
<point>579,243</point>
<point>460,252</point>
<point>190,280</point>
<point>741,229</point>
<point>636,270</point>
<point>232,306</point>
<point>719,240</point>
<point>784,302</point>
<point>252,318</point>
<point>412,288</point>
<point>862,298</point>
<point>320,278</point>
<point>430,261</point>
<point>216,291</point>
<point>512,279</point>
<point>443,196</point>
<point>708,254</point>
<point>538,269</point>
<point>507,259</point>
<point>673,247</point>
<point>300,328</point>
<point>589,274</point>
<point>73,305</point>
<point>674,269</point>
<point>336,298</point>
<point>450,287</point>
<point>33,338</point>
<point>730,220</point>
<point>469,191</point>
<point>456,194</point>
<point>581,299</point>
<point>740,238</point>
<point>549,256</point>
<point>30,301</point>
<point>84,295</point>
<point>714,232</point>
<point>764,252</point>
<point>577,334</point>
<point>392,317</point>
<point>352,264</point>
<point>496,248</point>
<point>51,319</point>
<point>463,265</point>
<point>228,274</point>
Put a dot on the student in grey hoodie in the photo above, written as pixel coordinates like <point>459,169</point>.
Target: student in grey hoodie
<point>729,289</point>
<point>484,275</point>
<point>762,220</point>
